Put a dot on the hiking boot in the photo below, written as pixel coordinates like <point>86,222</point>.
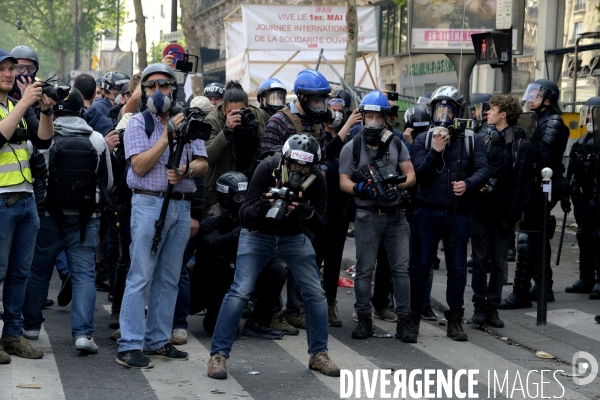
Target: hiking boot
<point>217,368</point>
<point>48,303</point>
<point>134,359</point>
<point>279,323</point>
<point>66,291</point>
<point>86,345</point>
<point>428,314</point>
<point>114,320</point>
<point>254,329</point>
<point>364,330</point>
<point>332,311</point>
<point>297,320</point>
<point>404,329</point>
<point>32,334</point>
<point>492,318</point>
<point>455,329</point>
<point>416,322</point>
<point>168,352</point>
<point>116,335</point>
<point>178,336</point>
<point>386,315</point>
<point>21,347</point>
<point>478,318</point>
<point>322,363</point>
<point>515,301</point>
<point>4,357</point>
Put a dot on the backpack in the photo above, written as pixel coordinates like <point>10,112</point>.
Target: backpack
<point>469,141</point>
<point>72,178</point>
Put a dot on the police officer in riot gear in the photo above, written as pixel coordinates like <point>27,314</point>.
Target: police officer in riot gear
<point>548,144</point>
<point>583,190</point>
<point>480,105</point>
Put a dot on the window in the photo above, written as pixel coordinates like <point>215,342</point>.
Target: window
<point>577,30</point>
<point>162,10</point>
<point>393,29</point>
<point>579,5</point>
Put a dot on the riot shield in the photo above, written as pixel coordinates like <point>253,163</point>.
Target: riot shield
<point>595,122</point>
<point>528,121</point>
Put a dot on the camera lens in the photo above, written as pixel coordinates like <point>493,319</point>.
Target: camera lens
<point>274,215</point>
<point>249,118</point>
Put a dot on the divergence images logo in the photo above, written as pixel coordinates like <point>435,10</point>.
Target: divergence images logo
<point>590,366</point>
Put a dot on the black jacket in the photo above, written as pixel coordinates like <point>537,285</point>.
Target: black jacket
<point>437,170</point>
<point>262,181</point>
<point>506,203</point>
<point>545,155</point>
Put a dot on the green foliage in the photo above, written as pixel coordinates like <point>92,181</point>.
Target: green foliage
<point>401,3</point>
<point>155,55</point>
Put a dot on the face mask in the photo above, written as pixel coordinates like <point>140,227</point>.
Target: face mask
<point>339,117</point>
<point>590,127</point>
<point>158,103</point>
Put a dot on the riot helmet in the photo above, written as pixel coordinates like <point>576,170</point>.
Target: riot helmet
<point>114,81</point>
<point>374,108</point>
<point>157,102</point>
<point>72,105</point>
<point>304,152</point>
<point>480,105</point>
<point>418,118</point>
<point>312,90</point>
<point>447,103</point>
<point>214,92</point>
<point>232,187</point>
<point>537,93</point>
<point>274,93</point>
<point>585,114</point>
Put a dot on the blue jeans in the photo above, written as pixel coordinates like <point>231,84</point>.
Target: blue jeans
<point>430,227</point>
<point>254,251</point>
<point>54,237</point>
<point>182,305</point>
<point>61,264</point>
<point>370,230</point>
<point>160,272</point>
<point>19,225</point>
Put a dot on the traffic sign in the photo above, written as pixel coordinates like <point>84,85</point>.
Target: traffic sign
<point>177,51</point>
<point>172,36</point>
<point>504,14</point>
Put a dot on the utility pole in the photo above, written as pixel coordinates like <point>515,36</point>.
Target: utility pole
<point>352,43</point>
<point>117,48</point>
<point>76,55</point>
<point>174,17</point>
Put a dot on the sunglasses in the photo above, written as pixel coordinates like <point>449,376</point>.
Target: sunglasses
<point>23,68</point>
<point>335,101</point>
<point>162,83</point>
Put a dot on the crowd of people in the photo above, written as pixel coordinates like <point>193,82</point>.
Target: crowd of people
<point>121,189</point>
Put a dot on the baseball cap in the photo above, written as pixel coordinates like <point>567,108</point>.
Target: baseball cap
<point>5,55</point>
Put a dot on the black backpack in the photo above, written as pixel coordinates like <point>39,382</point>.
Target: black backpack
<point>72,177</point>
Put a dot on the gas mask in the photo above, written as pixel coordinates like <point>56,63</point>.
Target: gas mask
<point>338,119</point>
<point>296,180</point>
<point>158,103</point>
<point>373,131</point>
<point>315,107</point>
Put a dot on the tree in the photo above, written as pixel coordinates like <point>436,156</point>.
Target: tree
<point>192,38</point>
<point>352,43</point>
<point>50,24</point>
<point>140,34</point>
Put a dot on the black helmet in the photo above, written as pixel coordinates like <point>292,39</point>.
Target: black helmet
<point>158,68</point>
<point>71,105</point>
<point>114,80</point>
<point>585,112</point>
<point>441,100</point>
<point>214,90</point>
<point>26,53</point>
<point>232,187</point>
<point>344,95</point>
<point>545,89</point>
<point>303,150</point>
<point>418,118</point>
<point>480,102</point>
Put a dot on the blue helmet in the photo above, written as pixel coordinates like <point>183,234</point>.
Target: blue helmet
<point>374,102</point>
<point>315,89</point>
<point>274,92</point>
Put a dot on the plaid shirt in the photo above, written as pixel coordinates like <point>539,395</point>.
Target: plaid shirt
<point>136,142</point>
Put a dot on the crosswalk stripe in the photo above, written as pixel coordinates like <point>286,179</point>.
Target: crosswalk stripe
<point>576,321</point>
<point>466,355</point>
<point>23,371</point>
<point>188,379</point>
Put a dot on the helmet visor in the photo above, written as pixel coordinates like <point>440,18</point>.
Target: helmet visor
<point>276,98</point>
<point>480,111</point>
<point>373,120</point>
<point>423,100</point>
<point>534,95</point>
<point>444,114</point>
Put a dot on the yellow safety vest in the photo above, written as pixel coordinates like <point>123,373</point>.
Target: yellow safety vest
<point>14,158</point>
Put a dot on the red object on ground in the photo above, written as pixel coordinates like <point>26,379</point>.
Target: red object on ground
<point>345,282</point>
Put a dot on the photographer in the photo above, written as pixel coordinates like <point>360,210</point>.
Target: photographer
<point>283,199</point>
<point>148,152</point>
<point>378,218</point>
<point>271,95</point>
<point>499,206</point>
<point>18,214</point>
<point>444,204</point>
<point>214,92</point>
<point>111,84</point>
<point>234,141</point>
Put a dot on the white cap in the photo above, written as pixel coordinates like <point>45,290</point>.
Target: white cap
<point>124,120</point>
<point>202,103</point>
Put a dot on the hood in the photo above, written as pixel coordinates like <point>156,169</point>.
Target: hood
<point>97,120</point>
<point>71,126</point>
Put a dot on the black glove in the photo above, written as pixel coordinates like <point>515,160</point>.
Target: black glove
<point>264,204</point>
<point>302,211</point>
<point>565,205</point>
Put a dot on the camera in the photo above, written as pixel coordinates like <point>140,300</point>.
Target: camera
<point>185,65</point>
<point>393,96</point>
<point>56,93</point>
<point>283,198</point>
<point>492,185</point>
<point>385,179</point>
<point>248,119</point>
<point>193,125</point>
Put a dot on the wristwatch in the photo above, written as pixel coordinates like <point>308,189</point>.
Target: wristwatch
<point>191,173</point>
<point>47,112</point>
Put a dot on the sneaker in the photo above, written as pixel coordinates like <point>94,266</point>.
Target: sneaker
<point>492,318</point>
<point>33,334</point>
<point>48,303</point>
<point>114,320</point>
<point>297,320</point>
<point>86,345</point>
<point>332,311</point>
<point>167,352</point>
<point>178,336</point>
<point>386,315</point>
<point>217,368</point>
<point>322,363</point>
<point>428,314</point>
<point>279,323</point>
<point>19,346</point>
<point>134,359</point>
<point>4,357</point>
<point>404,329</point>
<point>66,291</point>
<point>364,330</point>
<point>254,329</point>
<point>116,335</point>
